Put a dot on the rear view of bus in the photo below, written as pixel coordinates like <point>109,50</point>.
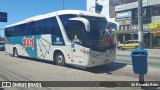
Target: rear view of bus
<point>65,37</point>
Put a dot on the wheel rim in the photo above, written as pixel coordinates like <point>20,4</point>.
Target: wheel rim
<point>60,60</point>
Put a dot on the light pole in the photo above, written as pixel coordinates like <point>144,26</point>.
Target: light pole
<point>139,57</point>
<point>140,34</point>
<point>140,25</point>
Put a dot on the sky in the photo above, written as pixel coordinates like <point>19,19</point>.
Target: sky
<point>19,10</point>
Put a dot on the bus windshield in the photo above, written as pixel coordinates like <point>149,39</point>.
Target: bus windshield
<point>97,37</point>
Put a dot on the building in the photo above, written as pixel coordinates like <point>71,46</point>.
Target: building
<point>104,4</point>
<point>113,3</point>
<point>106,8</point>
<point>125,13</point>
<point>102,7</point>
<point>127,18</point>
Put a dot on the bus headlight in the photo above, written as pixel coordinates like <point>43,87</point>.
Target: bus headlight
<point>92,54</point>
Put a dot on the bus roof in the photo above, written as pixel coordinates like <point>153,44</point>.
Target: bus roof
<point>53,14</point>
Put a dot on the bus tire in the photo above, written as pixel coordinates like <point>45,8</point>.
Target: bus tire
<point>59,59</point>
<point>15,52</point>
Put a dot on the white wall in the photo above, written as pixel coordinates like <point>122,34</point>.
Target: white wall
<point>135,5</point>
<point>91,5</point>
<point>130,5</point>
<point>105,10</point>
<point>153,2</point>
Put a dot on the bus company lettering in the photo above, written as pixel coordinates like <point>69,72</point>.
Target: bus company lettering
<point>28,42</point>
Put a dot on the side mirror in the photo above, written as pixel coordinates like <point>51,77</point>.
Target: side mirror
<point>83,20</point>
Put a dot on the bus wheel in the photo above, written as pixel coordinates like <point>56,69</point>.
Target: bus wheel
<point>15,52</point>
<point>59,59</point>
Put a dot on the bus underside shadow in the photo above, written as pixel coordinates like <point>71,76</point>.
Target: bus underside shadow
<point>108,68</point>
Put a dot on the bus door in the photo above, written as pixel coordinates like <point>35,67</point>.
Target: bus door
<point>77,47</point>
<point>75,31</point>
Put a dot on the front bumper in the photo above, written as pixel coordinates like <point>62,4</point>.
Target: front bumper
<point>100,58</point>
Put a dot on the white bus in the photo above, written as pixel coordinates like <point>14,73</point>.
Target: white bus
<point>65,37</point>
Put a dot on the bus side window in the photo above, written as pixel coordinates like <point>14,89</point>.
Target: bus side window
<point>52,27</point>
<point>69,32</point>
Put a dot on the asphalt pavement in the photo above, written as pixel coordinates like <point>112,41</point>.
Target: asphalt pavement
<point>26,69</point>
<point>152,53</point>
<point>152,62</point>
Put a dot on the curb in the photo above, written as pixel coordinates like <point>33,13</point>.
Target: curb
<point>129,56</point>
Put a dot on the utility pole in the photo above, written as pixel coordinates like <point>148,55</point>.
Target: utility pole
<point>140,25</point>
<point>139,57</point>
<point>140,34</point>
